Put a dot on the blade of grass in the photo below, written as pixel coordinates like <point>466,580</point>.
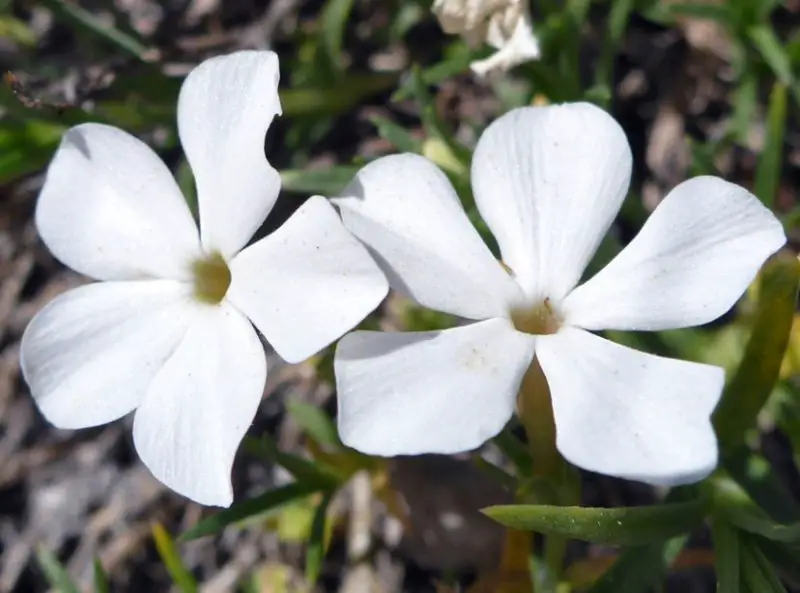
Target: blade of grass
<point>252,508</point>
<point>768,173</point>
<point>54,572</point>
<point>101,584</point>
<point>82,19</point>
<point>315,552</point>
<point>168,553</point>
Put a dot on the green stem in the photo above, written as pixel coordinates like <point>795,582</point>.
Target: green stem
<point>553,480</point>
<point>536,412</point>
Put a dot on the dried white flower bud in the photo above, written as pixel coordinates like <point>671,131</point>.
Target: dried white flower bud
<point>504,24</point>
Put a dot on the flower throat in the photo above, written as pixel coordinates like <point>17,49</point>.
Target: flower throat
<point>212,277</point>
<point>542,319</point>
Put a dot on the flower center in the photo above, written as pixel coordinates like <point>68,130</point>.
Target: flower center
<point>541,319</point>
<point>212,277</point>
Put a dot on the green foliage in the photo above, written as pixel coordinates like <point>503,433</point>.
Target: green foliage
<point>756,376</point>
<point>621,525</point>
<point>165,546</point>
<point>54,571</point>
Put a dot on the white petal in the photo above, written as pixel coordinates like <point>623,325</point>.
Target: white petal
<point>307,283</point>
<point>90,354</point>
<point>405,210</point>
<point>225,106</point>
<point>628,414</point>
<point>429,392</point>
<point>200,405</point>
<point>110,208</point>
<point>549,181</point>
<point>689,264</point>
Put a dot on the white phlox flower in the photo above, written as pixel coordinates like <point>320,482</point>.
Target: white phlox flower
<point>503,24</point>
<point>548,182</point>
<point>167,332</point>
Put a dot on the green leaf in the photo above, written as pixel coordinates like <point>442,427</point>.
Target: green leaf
<point>785,558</point>
<point>771,49</point>
<point>334,19</point>
<point>515,450</point>
<point>314,422</point>
<point>55,573</point>
<point>101,584</point>
<point>733,503</point>
<point>83,20</point>
<point>397,135</point>
<point>165,546</point>
<point>757,572</point>
<point>497,474</point>
<point>254,507</point>
<point>762,483</point>
<point>26,146</point>
<point>617,23</point>
<point>726,555</point>
<point>759,370</point>
<point>639,569</point>
<point>703,11</point>
<point>302,469</point>
<point>745,99</point>
<point>458,61</point>
<point>431,122</point>
<point>624,525</point>
<point>16,31</point>
<point>316,547</point>
<point>768,173</point>
<point>326,182</point>
<point>335,98</point>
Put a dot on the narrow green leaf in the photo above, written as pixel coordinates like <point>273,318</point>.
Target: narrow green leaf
<point>315,422</point>
<point>745,99</point>
<point>515,450</point>
<point>617,23</point>
<point>750,387</point>
<point>785,558</point>
<point>459,57</point>
<point>316,547</point>
<point>302,469</point>
<point>25,146</point>
<point>434,126</point>
<point>726,555</point>
<point>251,508</point>
<point>165,546</point>
<point>397,135</point>
<point>757,572</point>
<point>498,475</point>
<point>16,31</point>
<point>768,173</point>
<point>335,98</point>
<point>703,11</point>
<point>733,503</point>
<point>639,569</point>
<point>755,474</point>
<point>326,182</point>
<point>771,49</point>
<point>101,584</point>
<point>334,19</point>
<point>54,572</point>
<point>624,526</point>
<point>85,20</point>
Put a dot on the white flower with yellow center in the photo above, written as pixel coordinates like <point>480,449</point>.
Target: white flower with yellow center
<point>168,330</point>
<point>548,182</point>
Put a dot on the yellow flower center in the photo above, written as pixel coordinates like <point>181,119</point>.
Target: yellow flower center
<point>541,319</point>
<point>212,277</point>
